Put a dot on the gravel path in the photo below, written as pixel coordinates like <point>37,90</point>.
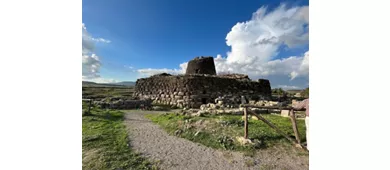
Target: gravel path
<point>178,153</point>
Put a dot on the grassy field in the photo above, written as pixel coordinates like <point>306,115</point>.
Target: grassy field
<point>105,142</point>
<point>97,92</point>
<point>220,131</point>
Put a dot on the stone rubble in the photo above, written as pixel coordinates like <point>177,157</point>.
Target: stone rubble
<point>119,103</point>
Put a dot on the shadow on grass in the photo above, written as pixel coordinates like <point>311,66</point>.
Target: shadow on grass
<point>106,116</point>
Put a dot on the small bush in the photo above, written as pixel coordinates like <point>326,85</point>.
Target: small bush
<point>226,142</point>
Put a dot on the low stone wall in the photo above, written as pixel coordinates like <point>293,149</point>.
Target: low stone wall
<point>194,90</point>
<point>218,109</point>
<point>123,104</point>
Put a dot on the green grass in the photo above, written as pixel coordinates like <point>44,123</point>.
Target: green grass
<point>105,142</point>
<point>220,131</point>
<point>103,92</point>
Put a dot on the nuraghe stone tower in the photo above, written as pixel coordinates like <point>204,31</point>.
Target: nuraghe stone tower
<point>200,85</point>
<point>201,65</point>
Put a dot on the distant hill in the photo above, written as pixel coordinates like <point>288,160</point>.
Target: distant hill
<point>86,83</point>
<point>124,83</point>
<point>295,91</point>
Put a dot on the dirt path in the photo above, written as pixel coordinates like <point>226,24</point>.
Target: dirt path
<point>178,153</point>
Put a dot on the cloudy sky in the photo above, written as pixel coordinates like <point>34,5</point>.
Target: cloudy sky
<point>125,40</point>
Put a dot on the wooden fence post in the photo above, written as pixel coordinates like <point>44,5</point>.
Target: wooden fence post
<point>246,123</point>
<point>273,126</point>
<point>296,141</point>
<point>89,107</point>
<point>294,125</point>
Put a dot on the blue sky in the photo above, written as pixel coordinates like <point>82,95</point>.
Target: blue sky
<point>143,37</point>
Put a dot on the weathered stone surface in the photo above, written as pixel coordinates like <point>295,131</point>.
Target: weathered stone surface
<point>201,65</point>
<point>199,113</point>
<point>198,89</point>
<point>294,102</point>
<point>285,113</point>
<point>123,104</point>
<point>243,117</point>
<point>241,140</point>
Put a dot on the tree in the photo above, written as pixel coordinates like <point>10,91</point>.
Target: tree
<point>278,91</point>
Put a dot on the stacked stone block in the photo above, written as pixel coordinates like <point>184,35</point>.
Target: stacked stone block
<point>194,90</point>
<point>201,65</point>
<point>123,104</point>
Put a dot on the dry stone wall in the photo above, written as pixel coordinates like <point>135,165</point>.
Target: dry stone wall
<point>123,104</point>
<point>194,90</point>
<point>201,65</point>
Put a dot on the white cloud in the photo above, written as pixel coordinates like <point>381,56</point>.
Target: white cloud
<point>91,66</point>
<point>259,39</point>
<point>303,69</point>
<point>129,67</point>
<point>152,71</point>
<point>102,80</point>
<point>285,66</point>
<point>101,40</point>
<point>255,43</point>
<point>90,61</point>
<point>287,87</point>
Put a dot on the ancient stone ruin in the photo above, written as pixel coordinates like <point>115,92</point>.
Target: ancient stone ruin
<point>201,65</point>
<point>200,85</point>
<point>110,103</point>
